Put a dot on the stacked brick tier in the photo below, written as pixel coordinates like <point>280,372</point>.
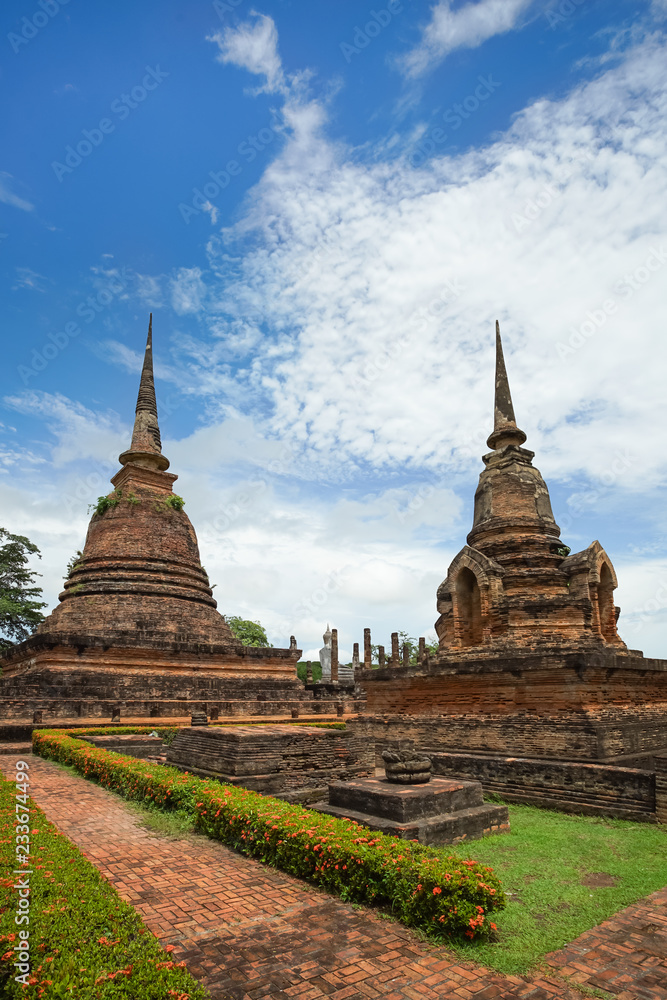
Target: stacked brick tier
<point>440,812</point>
<point>572,706</point>
<point>293,762</point>
<point>68,677</point>
<point>140,576</point>
<point>591,789</point>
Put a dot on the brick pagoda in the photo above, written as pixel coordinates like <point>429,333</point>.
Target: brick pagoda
<point>529,662</point>
<point>137,629</point>
<point>514,585</point>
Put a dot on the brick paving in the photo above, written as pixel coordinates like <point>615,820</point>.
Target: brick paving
<point>249,932</point>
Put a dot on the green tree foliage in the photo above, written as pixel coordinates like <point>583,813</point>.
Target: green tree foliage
<point>249,633</point>
<point>302,670</point>
<point>20,612</point>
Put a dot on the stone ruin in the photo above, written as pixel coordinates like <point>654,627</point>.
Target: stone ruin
<point>530,664</point>
<point>407,802</point>
<point>406,767</point>
<point>137,632</point>
<point>291,762</point>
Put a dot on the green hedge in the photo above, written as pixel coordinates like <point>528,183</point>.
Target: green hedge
<point>424,888</point>
<point>84,941</point>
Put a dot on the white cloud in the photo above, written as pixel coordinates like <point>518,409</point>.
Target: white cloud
<point>187,291</point>
<point>9,198</point>
<point>378,284</point>
<point>27,278</point>
<point>79,433</point>
<point>466,27</point>
<point>253,46</point>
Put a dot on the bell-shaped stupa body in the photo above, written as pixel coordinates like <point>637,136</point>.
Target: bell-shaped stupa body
<point>140,578</point>
<point>514,584</point>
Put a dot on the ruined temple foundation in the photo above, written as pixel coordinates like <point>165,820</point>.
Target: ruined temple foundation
<point>444,811</point>
<point>530,663</point>
<point>291,762</point>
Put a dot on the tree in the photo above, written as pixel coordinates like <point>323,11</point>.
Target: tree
<point>247,632</point>
<point>20,612</point>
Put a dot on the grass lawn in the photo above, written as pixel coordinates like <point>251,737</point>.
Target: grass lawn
<point>562,875</point>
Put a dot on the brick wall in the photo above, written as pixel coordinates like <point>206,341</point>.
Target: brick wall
<point>292,762</point>
<point>592,789</point>
<point>579,736</point>
<point>660,762</point>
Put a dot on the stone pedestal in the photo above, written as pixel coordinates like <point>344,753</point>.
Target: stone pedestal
<point>440,812</point>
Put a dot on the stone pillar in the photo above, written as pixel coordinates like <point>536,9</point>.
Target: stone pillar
<point>394,649</point>
<point>381,655</point>
<point>334,655</point>
<point>421,655</point>
<point>660,764</point>
<point>355,657</point>
<point>309,672</point>
<point>406,655</point>
<point>367,649</point>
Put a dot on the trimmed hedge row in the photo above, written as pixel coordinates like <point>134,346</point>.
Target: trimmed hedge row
<point>445,895</point>
<point>84,941</point>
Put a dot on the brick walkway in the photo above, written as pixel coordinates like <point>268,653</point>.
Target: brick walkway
<point>250,932</point>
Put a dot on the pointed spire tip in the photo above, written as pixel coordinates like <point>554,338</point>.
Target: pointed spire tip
<point>504,422</point>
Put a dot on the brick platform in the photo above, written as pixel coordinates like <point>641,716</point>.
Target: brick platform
<point>249,932</point>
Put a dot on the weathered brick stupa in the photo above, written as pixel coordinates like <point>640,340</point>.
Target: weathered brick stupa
<point>529,662</point>
<point>137,628</point>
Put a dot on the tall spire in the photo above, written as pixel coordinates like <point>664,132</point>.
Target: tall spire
<point>146,447</point>
<point>505,429</point>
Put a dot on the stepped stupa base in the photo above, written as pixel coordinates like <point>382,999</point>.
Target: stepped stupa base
<point>441,812</point>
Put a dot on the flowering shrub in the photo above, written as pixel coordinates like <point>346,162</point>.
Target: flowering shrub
<point>423,887</point>
<point>84,941</point>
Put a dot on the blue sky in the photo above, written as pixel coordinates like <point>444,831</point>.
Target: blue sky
<point>326,206</point>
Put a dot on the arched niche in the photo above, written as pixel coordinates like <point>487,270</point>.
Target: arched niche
<point>606,609</point>
<point>468,609</point>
